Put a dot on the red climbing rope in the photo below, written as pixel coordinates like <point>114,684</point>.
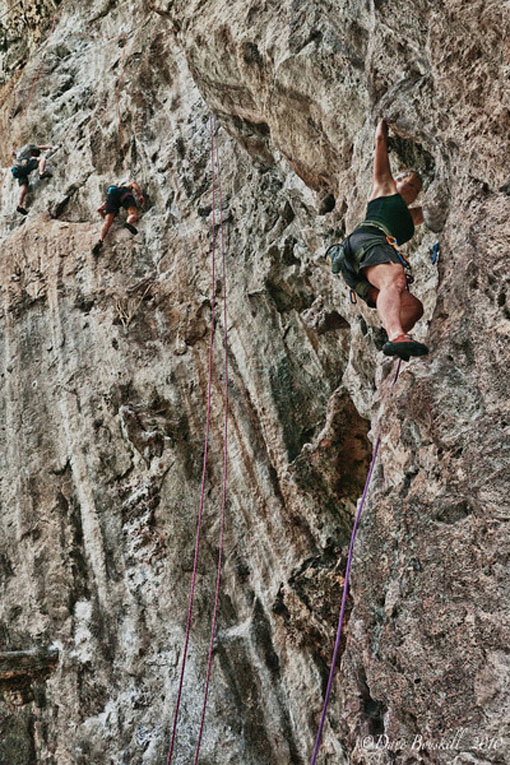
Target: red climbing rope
<point>216,177</point>
<point>202,488</point>
<point>346,585</point>
<point>215,156</point>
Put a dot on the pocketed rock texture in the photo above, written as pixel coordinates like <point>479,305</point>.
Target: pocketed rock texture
<point>104,371</point>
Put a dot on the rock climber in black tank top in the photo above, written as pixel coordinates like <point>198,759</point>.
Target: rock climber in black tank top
<point>378,261</point>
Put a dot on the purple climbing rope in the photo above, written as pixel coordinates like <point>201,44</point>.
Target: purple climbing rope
<point>346,586</point>
<point>204,473</point>
<point>212,126</point>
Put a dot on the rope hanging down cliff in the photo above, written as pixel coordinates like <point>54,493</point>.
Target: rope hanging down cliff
<point>346,585</point>
<point>372,265</point>
<point>212,125</point>
<point>215,174</point>
<point>214,162</point>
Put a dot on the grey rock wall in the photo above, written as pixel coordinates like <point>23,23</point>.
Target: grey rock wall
<point>104,371</point>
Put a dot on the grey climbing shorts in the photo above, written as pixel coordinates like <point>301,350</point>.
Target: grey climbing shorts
<point>378,251</point>
<point>376,255</point>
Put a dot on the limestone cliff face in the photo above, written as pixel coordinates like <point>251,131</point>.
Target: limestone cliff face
<point>104,369</point>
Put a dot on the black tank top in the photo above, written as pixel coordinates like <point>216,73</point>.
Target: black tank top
<point>119,193</point>
<point>393,213</point>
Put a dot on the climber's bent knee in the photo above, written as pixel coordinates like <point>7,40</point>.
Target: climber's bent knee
<point>386,275</point>
<point>132,215</point>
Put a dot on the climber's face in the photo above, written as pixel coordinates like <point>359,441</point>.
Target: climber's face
<point>408,184</point>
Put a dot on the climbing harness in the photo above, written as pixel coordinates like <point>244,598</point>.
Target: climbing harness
<point>404,261</point>
<point>346,585</point>
<point>393,242</point>
<point>341,258</point>
<point>214,160</point>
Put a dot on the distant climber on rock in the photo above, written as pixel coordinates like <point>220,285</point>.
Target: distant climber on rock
<point>369,259</point>
<point>117,197</point>
<point>28,158</point>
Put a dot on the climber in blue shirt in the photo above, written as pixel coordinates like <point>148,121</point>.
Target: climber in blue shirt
<point>117,197</point>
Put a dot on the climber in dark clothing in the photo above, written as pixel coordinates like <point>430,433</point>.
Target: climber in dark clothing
<point>117,197</point>
<point>372,251</point>
<point>27,160</point>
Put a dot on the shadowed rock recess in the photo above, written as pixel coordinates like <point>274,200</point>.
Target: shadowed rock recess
<point>104,369</point>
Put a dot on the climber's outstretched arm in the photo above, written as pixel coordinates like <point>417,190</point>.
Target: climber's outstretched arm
<point>134,185</point>
<point>383,179</point>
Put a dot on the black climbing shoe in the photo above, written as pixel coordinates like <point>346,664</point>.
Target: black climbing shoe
<point>131,228</point>
<point>97,247</point>
<point>22,210</point>
<point>46,174</point>
<point>404,347</point>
